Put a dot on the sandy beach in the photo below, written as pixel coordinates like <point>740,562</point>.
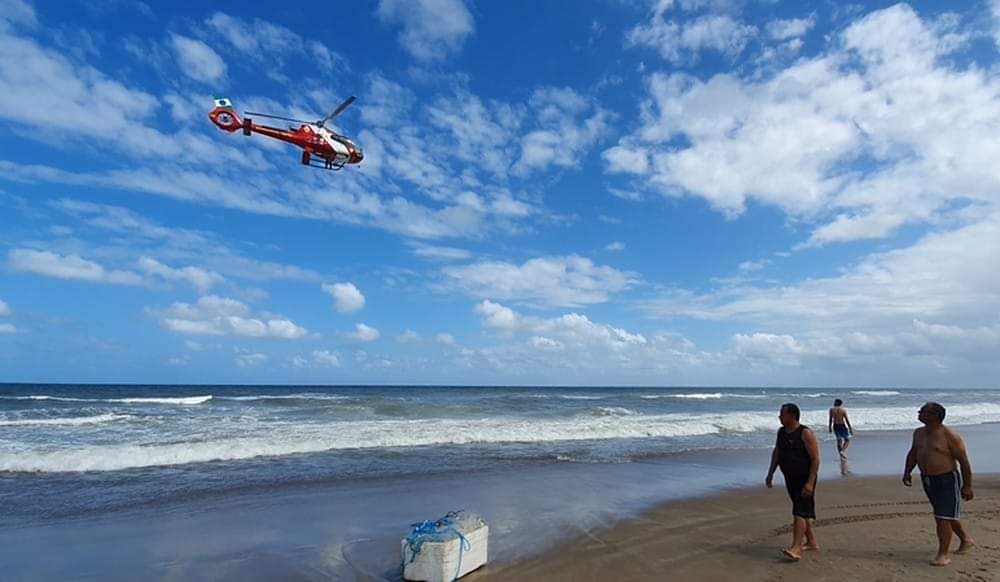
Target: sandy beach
<point>869,529</point>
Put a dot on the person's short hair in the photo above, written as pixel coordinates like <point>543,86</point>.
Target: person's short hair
<point>838,402</point>
<point>792,409</point>
<point>935,409</point>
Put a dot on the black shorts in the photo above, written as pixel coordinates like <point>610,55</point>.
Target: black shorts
<point>945,493</point>
<point>802,506</point>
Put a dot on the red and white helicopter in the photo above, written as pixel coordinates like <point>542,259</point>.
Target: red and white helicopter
<point>313,137</point>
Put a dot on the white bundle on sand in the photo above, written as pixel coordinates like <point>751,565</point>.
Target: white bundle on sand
<point>446,549</point>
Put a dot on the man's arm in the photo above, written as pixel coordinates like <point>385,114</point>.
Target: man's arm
<point>829,422</point>
<point>774,465</point>
<point>812,447</point>
<point>957,447</point>
<point>911,461</point>
<point>847,421</point>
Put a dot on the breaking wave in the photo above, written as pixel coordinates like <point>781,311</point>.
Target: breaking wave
<point>68,421</point>
<point>298,438</point>
<point>185,400</point>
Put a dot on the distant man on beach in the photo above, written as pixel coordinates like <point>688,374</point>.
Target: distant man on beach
<point>840,425</point>
<point>796,451</point>
<point>938,451</point>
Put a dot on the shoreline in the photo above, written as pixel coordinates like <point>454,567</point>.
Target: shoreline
<point>869,528</point>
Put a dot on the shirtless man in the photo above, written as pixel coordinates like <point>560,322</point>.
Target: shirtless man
<point>938,451</point>
<point>841,425</point>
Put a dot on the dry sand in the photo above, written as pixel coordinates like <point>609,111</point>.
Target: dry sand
<point>869,529</point>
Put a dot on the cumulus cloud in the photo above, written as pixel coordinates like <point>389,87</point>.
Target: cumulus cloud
<point>568,125</point>
<point>4,308</point>
<point>930,299</point>
<point>197,60</point>
<point>250,360</point>
<point>573,341</point>
<point>789,28</point>
<point>879,131</point>
<point>270,45</point>
<point>432,29</point>
<point>346,297</point>
<point>201,279</point>
<point>325,358</point>
<point>222,316</point>
<point>557,281</point>
<point>615,246</point>
<point>59,266</point>
<point>364,333</point>
<point>681,40</point>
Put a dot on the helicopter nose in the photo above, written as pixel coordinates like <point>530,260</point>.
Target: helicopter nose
<point>359,154</point>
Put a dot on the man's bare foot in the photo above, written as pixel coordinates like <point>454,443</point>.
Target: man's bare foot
<point>941,561</point>
<point>810,548</point>
<point>791,554</point>
<point>967,544</point>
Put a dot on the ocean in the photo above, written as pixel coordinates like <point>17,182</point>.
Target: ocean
<point>179,440</point>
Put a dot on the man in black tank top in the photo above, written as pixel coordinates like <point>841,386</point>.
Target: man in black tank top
<point>797,453</point>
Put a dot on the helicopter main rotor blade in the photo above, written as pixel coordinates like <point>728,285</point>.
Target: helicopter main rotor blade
<point>248,113</point>
<point>340,109</point>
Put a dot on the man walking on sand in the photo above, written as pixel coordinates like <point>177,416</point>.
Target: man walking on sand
<point>797,453</point>
<point>938,450</point>
<point>841,425</point>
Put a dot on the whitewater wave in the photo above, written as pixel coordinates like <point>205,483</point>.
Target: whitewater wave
<point>299,438</point>
<point>185,400</point>
<point>704,396</point>
<point>875,392</point>
<point>612,411</point>
<point>283,397</point>
<point>68,421</point>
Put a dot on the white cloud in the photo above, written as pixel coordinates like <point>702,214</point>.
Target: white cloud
<point>364,333</point>
<point>5,312</point>
<point>915,120</point>
<point>326,358</point>
<point>7,328</point>
<point>431,28</point>
<point>557,345</point>
<point>789,28</point>
<point>445,338</point>
<point>197,60</point>
<point>346,297</point>
<point>622,158</point>
<point>268,45</point>
<point>679,41</point>
<point>438,253</point>
<point>209,249</point>
<point>249,360</point>
<point>409,337</point>
<point>557,281</point>
<point>221,316</point>
<point>17,12</point>
<point>568,125</point>
<point>752,266</point>
<point>931,299</point>
<point>615,246</point>
<point>4,308</point>
<point>67,267</point>
<point>201,279</point>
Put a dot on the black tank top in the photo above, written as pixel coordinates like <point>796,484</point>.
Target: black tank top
<point>793,458</point>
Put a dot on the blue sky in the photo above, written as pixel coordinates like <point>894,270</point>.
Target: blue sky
<point>686,192</point>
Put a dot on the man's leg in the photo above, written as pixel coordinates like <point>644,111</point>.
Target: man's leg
<point>799,526</point>
<point>967,541</point>
<point>811,543</point>
<point>944,533</point>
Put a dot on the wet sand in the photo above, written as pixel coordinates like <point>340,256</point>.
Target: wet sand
<point>869,528</point>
